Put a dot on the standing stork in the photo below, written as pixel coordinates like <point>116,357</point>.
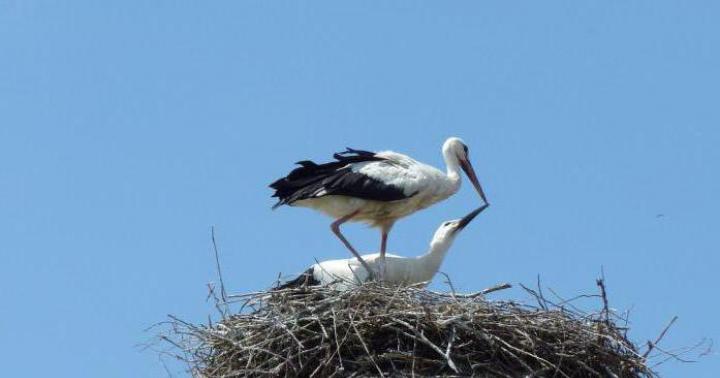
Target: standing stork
<point>345,273</point>
<point>374,187</point>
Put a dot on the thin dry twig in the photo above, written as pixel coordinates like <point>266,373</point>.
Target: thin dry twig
<point>223,293</point>
<point>603,293</point>
<point>653,344</point>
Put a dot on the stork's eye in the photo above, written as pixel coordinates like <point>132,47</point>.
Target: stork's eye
<point>465,147</point>
<point>446,224</point>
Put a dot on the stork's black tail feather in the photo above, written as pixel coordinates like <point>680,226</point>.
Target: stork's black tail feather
<point>305,279</point>
<point>307,180</point>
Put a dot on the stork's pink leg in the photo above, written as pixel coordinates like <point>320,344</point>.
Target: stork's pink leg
<point>385,230</point>
<point>383,242</point>
<point>335,227</point>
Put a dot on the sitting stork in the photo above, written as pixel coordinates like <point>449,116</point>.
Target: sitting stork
<point>374,187</point>
<point>345,273</point>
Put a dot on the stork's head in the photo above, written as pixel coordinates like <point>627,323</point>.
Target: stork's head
<point>456,152</point>
<point>446,233</point>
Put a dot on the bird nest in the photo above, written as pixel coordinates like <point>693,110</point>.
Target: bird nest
<point>373,330</point>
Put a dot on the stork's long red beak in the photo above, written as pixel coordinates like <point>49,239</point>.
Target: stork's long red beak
<point>470,172</point>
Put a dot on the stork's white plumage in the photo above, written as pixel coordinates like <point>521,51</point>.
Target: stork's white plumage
<point>345,273</point>
<point>376,188</point>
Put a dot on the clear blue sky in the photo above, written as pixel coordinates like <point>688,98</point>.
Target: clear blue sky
<point>127,129</point>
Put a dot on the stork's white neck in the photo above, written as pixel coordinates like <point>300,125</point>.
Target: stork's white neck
<point>430,262</point>
<point>453,167</point>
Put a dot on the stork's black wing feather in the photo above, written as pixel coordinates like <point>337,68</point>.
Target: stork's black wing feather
<point>312,180</point>
<point>305,279</point>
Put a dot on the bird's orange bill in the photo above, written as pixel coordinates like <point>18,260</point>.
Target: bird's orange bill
<point>470,172</point>
<point>466,219</point>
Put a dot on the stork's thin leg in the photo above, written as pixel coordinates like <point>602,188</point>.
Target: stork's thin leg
<point>385,230</point>
<point>335,227</point>
<point>383,242</point>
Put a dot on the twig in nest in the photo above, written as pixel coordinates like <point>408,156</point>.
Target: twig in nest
<point>223,293</point>
<point>601,284</point>
<point>653,344</point>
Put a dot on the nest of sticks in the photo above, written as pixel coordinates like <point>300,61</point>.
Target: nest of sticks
<point>373,330</point>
